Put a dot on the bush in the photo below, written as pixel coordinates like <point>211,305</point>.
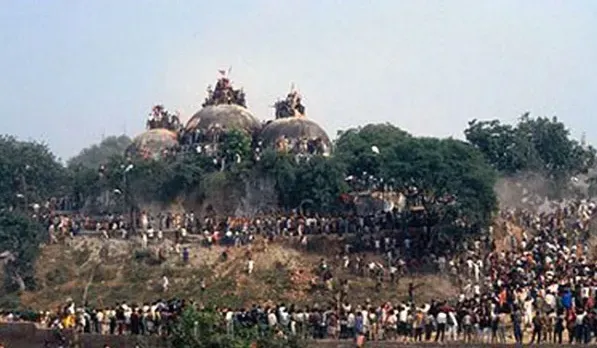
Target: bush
<point>57,276</point>
<point>203,329</point>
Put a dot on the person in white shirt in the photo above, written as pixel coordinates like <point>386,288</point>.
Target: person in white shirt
<point>585,291</point>
<point>99,315</point>
<point>350,324</point>
<point>250,266</point>
<point>284,318</point>
<point>366,322</point>
<point>403,323</point>
<point>441,263</point>
<point>442,320</point>
<point>272,321</point>
<point>452,325</point>
<point>229,318</point>
<point>165,283</point>
<point>528,311</point>
<point>144,222</point>
<point>550,300</point>
<point>477,270</point>
<point>392,324</point>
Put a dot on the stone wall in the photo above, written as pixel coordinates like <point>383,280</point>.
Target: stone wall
<point>26,335</point>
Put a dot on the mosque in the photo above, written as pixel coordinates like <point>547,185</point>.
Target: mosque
<point>223,110</point>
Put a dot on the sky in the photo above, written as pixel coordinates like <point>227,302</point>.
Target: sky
<point>73,72</point>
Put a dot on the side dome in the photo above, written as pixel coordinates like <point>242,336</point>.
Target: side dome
<point>153,144</point>
<point>224,116</point>
<point>295,130</point>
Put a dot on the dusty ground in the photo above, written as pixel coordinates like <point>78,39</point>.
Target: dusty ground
<point>108,271</point>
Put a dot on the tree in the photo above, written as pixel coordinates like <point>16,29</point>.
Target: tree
<point>354,146</point>
<point>29,173</point>
<point>204,329</point>
<point>501,144</point>
<point>541,145</point>
<point>187,171</point>
<point>281,168</point>
<point>320,180</point>
<point>142,180</point>
<point>98,154</point>
<point>317,179</point>
<point>86,183</point>
<point>20,238</point>
<point>445,167</point>
<point>438,166</point>
<point>236,145</point>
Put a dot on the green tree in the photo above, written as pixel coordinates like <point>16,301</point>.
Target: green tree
<point>186,171</point>
<point>96,155</point>
<point>86,183</point>
<point>321,180</point>
<point>445,167</point>
<point>29,173</point>
<point>281,167</point>
<point>204,329</point>
<point>146,179</point>
<point>20,238</point>
<point>317,179</point>
<point>438,166</point>
<point>353,147</point>
<point>236,143</point>
<point>501,144</point>
<point>540,144</point>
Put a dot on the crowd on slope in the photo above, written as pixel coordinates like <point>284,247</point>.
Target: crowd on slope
<point>405,236</point>
<point>539,285</point>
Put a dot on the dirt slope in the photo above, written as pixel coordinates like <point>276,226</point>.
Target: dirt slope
<point>105,272</point>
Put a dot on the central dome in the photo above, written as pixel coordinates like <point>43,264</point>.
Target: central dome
<point>226,116</point>
<point>153,144</point>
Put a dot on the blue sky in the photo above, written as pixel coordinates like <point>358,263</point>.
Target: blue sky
<point>73,71</point>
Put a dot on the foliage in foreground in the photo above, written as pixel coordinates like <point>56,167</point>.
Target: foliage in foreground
<point>204,329</point>
<point>30,175</point>
<point>20,237</point>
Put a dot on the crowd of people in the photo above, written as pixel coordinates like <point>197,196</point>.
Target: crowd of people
<point>529,278</point>
<point>224,93</point>
<point>368,229</point>
<point>291,106</point>
<point>302,146</point>
<point>160,118</point>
